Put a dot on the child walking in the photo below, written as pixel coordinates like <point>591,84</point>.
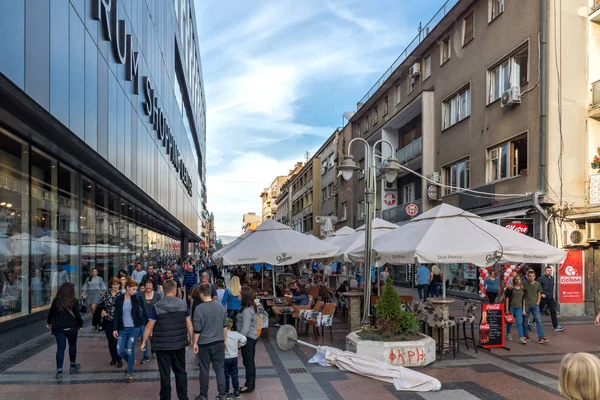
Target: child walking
<point>235,340</point>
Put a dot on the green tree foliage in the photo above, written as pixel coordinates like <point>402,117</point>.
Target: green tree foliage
<point>390,318</point>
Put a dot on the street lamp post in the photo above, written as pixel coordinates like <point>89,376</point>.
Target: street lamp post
<point>390,170</point>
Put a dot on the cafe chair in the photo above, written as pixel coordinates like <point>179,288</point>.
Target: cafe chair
<point>469,311</point>
<point>343,305</point>
<point>314,292</point>
<point>418,310</point>
<point>322,319</point>
<point>305,314</point>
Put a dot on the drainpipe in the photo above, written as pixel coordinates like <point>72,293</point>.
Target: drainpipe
<point>544,214</point>
<point>543,94</point>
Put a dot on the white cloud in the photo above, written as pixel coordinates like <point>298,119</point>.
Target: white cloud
<point>261,60</point>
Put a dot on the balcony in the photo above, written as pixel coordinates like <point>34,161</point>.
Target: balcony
<point>595,11</point>
<point>594,110</point>
<point>398,214</point>
<point>411,151</point>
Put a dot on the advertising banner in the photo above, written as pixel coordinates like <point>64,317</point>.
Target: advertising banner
<point>570,278</point>
<point>523,225</point>
<point>491,326</point>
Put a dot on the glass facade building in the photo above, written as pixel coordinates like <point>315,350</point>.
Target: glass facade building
<point>102,145</point>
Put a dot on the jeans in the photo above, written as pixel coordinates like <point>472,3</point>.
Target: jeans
<point>168,360</point>
<point>231,371</point>
<point>148,344</point>
<point>435,289</point>
<point>248,352</point>
<point>518,315</point>
<point>126,346</point>
<point>62,337</point>
<point>422,290</point>
<point>214,353</point>
<point>233,315</point>
<point>552,307</point>
<point>112,342</point>
<point>538,320</point>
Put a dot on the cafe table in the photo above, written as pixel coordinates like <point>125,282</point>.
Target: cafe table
<point>354,299</point>
<point>444,305</point>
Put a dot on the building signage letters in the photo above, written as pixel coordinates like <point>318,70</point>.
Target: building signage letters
<point>113,28</point>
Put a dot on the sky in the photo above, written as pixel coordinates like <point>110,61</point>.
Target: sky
<point>278,76</point>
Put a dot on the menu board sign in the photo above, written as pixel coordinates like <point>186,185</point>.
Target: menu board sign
<point>491,326</point>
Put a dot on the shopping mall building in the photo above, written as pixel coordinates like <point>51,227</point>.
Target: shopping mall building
<point>102,146</point>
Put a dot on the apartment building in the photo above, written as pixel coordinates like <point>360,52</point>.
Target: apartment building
<point>344,189</point>
<point>328,156</point>
<point>250,222</point>
<point>305,197</point>
<point>489,112</point>
<point>283,205</point>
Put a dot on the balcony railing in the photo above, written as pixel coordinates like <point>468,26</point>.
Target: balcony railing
<point>595,5</point>
<point>411,151</point>
<point>596,93</point>
<point>398,214</point>
<point>423,32</point>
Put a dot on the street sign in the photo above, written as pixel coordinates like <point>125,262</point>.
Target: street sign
<point>412,209</point>
<point>322,219</point>
<point>432,192</point>
<point>389,199</point>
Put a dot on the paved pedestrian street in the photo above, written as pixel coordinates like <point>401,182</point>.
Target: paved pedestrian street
<point>28,372</point>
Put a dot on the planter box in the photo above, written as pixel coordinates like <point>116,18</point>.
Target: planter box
<point>414,353</point>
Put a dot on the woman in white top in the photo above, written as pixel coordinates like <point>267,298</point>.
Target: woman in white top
<point>93,289</point>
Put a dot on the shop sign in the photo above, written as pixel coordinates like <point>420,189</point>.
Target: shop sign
<point>389,199</point>
<point>491,326</point>
<point>432,192</point>
<point>523,225</point>
<point>570,278</point>
<point>114,31</point>
<point>412,209</point>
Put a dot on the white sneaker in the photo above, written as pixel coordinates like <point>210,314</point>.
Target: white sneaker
<point>523,341</point>
<point>559,329</point>
<point>509,337</point>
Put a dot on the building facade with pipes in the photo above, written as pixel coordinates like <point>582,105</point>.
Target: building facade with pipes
<point>485,98</point>
<point>102,146</point>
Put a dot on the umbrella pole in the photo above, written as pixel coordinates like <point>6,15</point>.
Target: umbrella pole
<point>312,346</point>
<point>262,281</point>
<point>444,282</point>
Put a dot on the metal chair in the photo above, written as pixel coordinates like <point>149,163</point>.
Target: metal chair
<point>322,319</point>
<point>436,320</point>
<point>469,311</point>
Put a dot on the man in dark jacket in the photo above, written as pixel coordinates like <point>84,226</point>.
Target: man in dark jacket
<point>547,282</point>
<point>155,278</point>
<point>172,331</point>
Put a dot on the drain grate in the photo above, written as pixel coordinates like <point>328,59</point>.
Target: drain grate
<point>297,370</point>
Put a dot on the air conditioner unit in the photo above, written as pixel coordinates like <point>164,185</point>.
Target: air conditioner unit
<point>323,169</point>
<point>511,97</point>
<point>389,186</point>
<point>331,163</point>
<point>436,177</point>
<point>593,232</point>
<point>415,70</point>
<point>574,236</point>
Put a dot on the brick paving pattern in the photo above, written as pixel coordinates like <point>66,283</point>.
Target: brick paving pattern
<point>28,371</point>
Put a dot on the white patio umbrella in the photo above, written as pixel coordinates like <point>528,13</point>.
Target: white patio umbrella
<point>277,244</point>
<point>447,234</point>
<point>402,378</point>
<point>340,233</point>
<point>350,243</point>
<point>218,255</point>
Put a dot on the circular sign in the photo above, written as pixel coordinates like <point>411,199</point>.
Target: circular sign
<point>432,192</point>
<point>412,210</point>
<point>389,199</point>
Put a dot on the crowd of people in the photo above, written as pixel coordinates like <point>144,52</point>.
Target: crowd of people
<point>180,307</point>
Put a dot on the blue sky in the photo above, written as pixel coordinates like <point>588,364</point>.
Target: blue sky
<point>278,76</point>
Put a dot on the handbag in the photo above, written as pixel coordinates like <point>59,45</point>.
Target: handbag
<point>509,318</point>
<point>82,306</point>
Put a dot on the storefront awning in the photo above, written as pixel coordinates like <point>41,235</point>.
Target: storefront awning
<point>509,214</point>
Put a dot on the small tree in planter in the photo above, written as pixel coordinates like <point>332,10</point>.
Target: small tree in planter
<point>391,320</point>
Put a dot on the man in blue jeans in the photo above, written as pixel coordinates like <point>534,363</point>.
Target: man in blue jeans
<point>423,279</point>
<point>532,298</point>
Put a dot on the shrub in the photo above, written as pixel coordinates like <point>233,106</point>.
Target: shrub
<point>390,319</point>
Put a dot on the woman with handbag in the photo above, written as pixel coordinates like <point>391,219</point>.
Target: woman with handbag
<point>149,298</point>
<point>515,304</point>
<point>92,291</point>
<point>108,300</point>
<point>129,316</point>
<point>65,320</point>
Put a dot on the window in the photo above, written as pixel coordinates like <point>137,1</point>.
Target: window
<point>398,94</point>
<point>366,124</point>
<point>427,67</point>
<point>411,83</point>
<point>330,191</point>
<point>361,210</point>
<point>496,8</point>
<point>468,28</point>
<point>445,50</point>
<point>385,106</point>
<point>510,72</point>
<point>344,211</point>
<point>457,176</point>
<point>456,108</point>
<point>323,194</point>
<point>408,193</point>
<point>508,159</point>
<point>375,117</point>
